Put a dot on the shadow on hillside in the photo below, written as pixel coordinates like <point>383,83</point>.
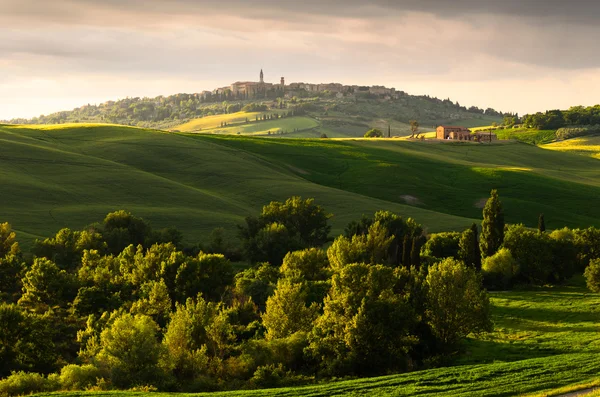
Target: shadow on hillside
<point>508,316</point>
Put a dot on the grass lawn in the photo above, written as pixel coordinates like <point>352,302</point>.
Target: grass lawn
<point>545,341</point>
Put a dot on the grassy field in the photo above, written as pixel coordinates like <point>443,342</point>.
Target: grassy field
<point>451,178</point>
<point>268,128</point>
<point>533,137</point>
<point>210,122</point>
<point>73,175</point>
<point>544,342</point>
<point>587,146</point>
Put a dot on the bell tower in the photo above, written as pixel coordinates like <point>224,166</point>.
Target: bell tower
<point>262,76</point>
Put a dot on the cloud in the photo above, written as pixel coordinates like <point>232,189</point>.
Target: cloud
<point>434,43</point>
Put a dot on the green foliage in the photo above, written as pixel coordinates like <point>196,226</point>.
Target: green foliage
<point>7,240</point>
<point>308,265</point>
<point>365,323</point>
<point>442,245</point>
<point>500,270</point>
<point>185,340</point>
<point>66,248</point>
<point>592,275</point>
<point>27,340</point>
<point>457,304</point>
<point>541,258</point>
<point>121,229</point>
<point>371,248</point>
<point>46,286</point>
<point>79,377</point>
<point>492,227</point>
<point>130,350</point>
<point>286,311</point>
<point>24,383</point>
<point>577,131</point>
<point>254,107</point>
<point>283,227</point>
<point>468,248</point>
<point>258,283</point>
<point>374,133</point>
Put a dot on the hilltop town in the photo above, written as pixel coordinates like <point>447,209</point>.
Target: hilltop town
<point>260,89</point>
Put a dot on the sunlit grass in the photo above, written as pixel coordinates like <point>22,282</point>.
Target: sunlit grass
<point>589,146</point>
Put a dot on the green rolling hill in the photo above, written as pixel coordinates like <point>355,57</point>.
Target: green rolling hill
<point>72,175</point>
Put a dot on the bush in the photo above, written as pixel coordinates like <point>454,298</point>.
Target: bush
<point>500,269</point>
<point>21,383</point>
<point>76,377</point>
<point>374,133</point>
<point>268,376</point>
<point>442,245</point>
<point>592,275</point>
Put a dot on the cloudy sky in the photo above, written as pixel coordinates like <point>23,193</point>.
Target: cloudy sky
<point>513,55</point>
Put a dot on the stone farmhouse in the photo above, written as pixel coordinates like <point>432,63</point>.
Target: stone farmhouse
<point>464,134</point>
<point>454,133</point>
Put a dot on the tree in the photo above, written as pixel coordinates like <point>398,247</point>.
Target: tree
<point>286,311</point>
<point>366,323</point>
<point>457,304</point>
<point>130,350</point>
<point>592,275</point>
<point>442,245</point>
<point>492,227</point>
<point>309,265</point>
<point>283,227</point>
<point>414,128</point>
<point>468,248</point>
<point>46,286</point>
<point>186,339</point>
<point>541,224</point>
<point>372,248</point>
<point>7,239</point>
<point>374,133</point>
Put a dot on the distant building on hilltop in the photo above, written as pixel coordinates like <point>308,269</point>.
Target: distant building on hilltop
<point>452,132</point>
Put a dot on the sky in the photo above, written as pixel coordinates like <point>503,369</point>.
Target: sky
<point>513,55</point>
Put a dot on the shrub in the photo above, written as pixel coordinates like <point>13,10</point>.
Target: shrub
<point>79,377</point>
<point>442,245</point>
<point>373,133</point>
<point>500,269</point>
<point>20,383</point>
<point>268,376</point>
<point>592,275</point>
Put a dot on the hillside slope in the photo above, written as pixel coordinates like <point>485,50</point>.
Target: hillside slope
<point>446,177</point>
<point>587,146</point>
<point>73,175</point>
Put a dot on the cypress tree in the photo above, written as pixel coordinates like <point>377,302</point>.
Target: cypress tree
<point>469,251</point>
<point>492,227</point>
<point>541,224</point>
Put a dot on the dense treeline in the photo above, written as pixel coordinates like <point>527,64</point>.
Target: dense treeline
<point>555,119</point>
<point>169,111</point>
<point>119,305</point>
